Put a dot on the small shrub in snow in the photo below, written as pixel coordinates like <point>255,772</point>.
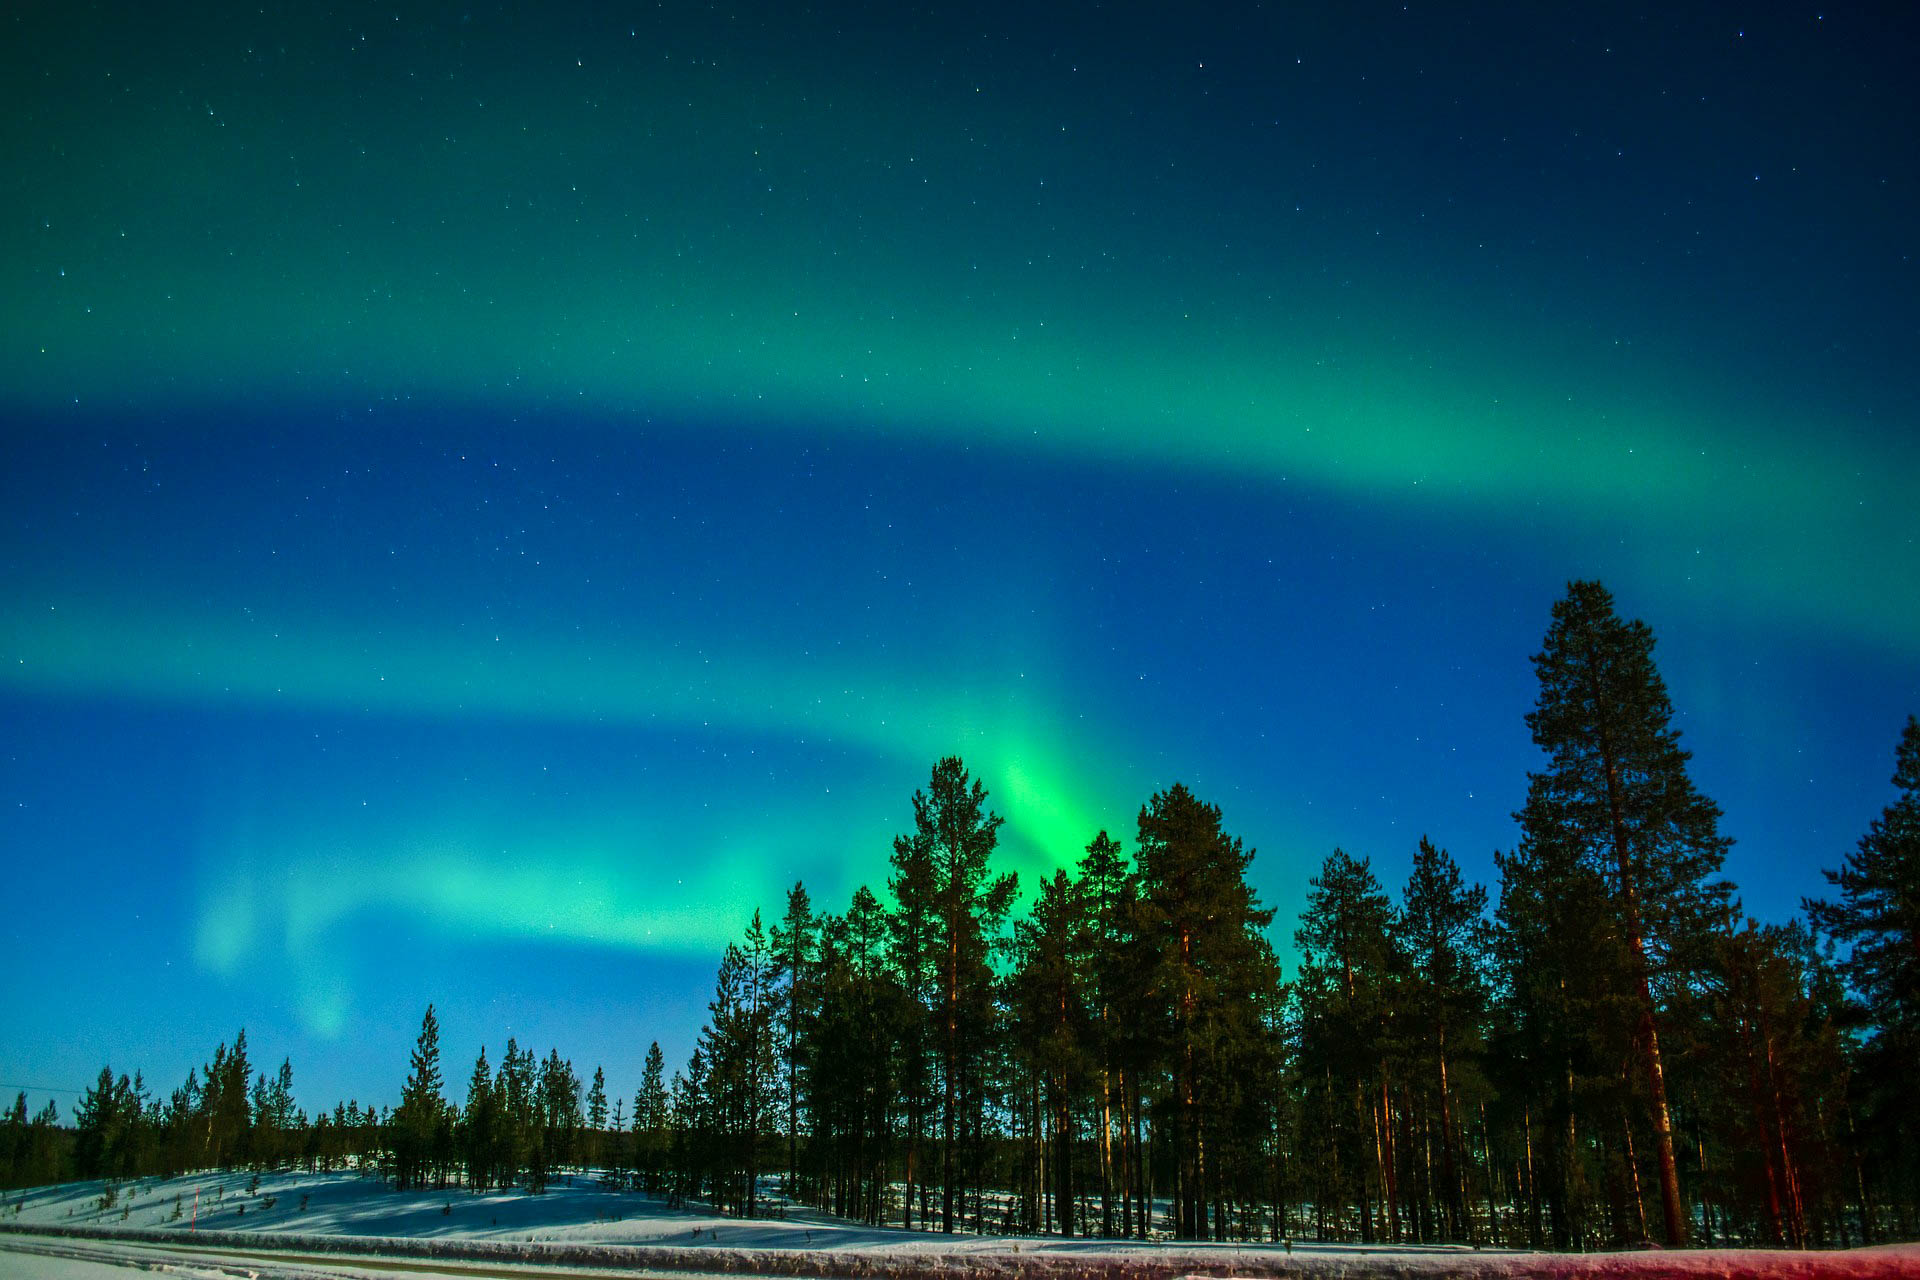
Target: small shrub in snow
<point>268,1203</point>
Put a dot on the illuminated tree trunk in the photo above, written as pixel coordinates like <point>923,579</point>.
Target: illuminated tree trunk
<point>1455,1202</point>
<point>1649,1034</point>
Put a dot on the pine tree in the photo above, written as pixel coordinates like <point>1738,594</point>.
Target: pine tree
<point>266,1138</point>
<point>1054,1027</point>
<point>650,1120</point>
<point>480,1124</point>
<point>942,875</point>
<point>795,938</point>
<point>881,1014</point>
<point>1344,991</point>
<point>236,1116</point>
<point>418,1116</point>
<point>558,1110</point>
<point>1213,977</point>
<point>1562,966</point>
<point>596,1116</point>
<point>1775,1075</point>
<point>721,1059</point>
<point>42,1162</point>
<point>96,1122</point>
<point>912,931</point>
<point>1877,918</point>
<point>276,1113</point>
<point>1616,796</point>
<point>618,1144</point>
<point>180,1127</point>
<point>521,1149</point>
<point>691,1123</point>
<point>741,1080</point>
<point>1442,931</point>
<point>1878,913</point>
<point>226,1120</point>
<point>854,1060</point>
<point>13,1143</point>
<point>1111,893</point>
<point>756,1039</point>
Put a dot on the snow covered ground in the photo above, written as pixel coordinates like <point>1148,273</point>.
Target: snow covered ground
<point>578,1210</point>
<point>572,1211</point>
<point>582,1225</point>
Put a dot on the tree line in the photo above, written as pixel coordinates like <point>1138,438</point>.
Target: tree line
<point>1601,1049</point>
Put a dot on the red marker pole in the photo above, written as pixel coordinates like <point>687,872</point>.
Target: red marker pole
<point>196,1209</point>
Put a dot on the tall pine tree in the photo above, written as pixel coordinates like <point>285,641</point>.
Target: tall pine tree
<point>1112,892</point>
<point>1054,1032</point>
<point>596,1117</point>
<point>942,873</point>
<point>650,1121</point>
<point>418,1115</point>
<point>1615,796</point>
<point>1344,994</point>
<point>795,939</point>
<point>1442,930</point>
<point>480,1125</point>
<point>1211,975</point>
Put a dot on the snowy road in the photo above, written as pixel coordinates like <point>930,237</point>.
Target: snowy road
<point>25,1256</point>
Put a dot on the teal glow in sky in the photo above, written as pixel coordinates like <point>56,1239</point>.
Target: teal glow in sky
<point>491,499</point>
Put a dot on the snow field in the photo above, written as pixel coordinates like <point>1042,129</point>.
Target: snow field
<point>583,1224</point>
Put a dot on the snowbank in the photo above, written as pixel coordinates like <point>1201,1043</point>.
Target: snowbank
<point>584,1225</point>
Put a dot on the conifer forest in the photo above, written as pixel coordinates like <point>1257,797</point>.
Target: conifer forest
<point>1600,1049</point>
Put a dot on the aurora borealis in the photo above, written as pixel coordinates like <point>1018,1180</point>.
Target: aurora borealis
<point>490,497</point>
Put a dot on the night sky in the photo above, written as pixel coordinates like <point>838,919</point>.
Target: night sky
<point>488,499</point>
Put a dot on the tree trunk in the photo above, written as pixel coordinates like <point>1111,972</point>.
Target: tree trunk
<point>1486,1152</point>
<point>911,1170</point>
<point>951,1059</point>
<point>1106,1152</point>
<point>1533,1185</point>
<point>1796,1220</point>
<point>1186,1195</point>
<point>1673,1211</point>
<point>1362,1114</point>
<point>1126,1164</point>
<point>1859,1171</point>
<point>1389,1162</point>
<point>1037,1172</point>
<point>1633,1171</point>
<point>1455,1206</point>
<point>1142,1171</point>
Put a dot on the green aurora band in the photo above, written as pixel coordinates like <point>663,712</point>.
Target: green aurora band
<point>596,883</point>
<point>634,236</point>
<point>643,233</point>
